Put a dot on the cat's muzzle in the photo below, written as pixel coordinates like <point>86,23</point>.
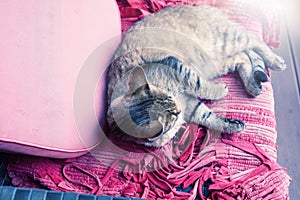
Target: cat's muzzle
<point>155,137</point>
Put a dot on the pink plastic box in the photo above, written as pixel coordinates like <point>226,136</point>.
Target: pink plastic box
<point>52,56</point>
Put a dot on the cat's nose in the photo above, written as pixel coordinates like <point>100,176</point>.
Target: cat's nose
<point>178,110</point>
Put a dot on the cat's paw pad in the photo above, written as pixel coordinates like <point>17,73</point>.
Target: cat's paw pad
<point>260,76</point>
<point>254,85</point>
<point>234,126</point>
<point>277,64</point>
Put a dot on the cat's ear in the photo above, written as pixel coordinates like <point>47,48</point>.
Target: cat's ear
<point>137,78</point>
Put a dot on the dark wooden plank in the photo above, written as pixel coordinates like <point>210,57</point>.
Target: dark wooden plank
<point>287,111</point>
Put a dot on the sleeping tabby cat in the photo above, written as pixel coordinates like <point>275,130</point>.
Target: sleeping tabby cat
<point>163,66</point>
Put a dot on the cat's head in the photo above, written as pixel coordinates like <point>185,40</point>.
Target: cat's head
<point>144,111</point>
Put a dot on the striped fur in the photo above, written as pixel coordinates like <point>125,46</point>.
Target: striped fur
<point>167,60</point>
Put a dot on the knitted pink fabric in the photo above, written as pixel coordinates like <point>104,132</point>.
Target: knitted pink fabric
<point>197,163</point>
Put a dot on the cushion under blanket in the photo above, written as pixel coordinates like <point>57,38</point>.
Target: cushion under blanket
<point>197,163</point>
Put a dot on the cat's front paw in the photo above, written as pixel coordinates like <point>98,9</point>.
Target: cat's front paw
<point>233,126</point>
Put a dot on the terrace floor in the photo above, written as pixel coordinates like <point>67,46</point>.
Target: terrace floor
<point>286,87</point>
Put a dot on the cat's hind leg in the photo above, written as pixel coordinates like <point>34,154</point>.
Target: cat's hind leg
<point>197,112</point>
<point>270,59</point>
<point>251,69</point>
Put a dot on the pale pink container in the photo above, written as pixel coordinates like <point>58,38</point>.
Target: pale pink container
<point>52,54</point>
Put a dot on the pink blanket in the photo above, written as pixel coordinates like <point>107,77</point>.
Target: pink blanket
<point>197,163</point>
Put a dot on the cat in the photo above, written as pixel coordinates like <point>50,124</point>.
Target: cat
<point>164,65</point>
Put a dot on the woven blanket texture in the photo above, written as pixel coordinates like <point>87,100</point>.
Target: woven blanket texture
<point>197,164</point>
